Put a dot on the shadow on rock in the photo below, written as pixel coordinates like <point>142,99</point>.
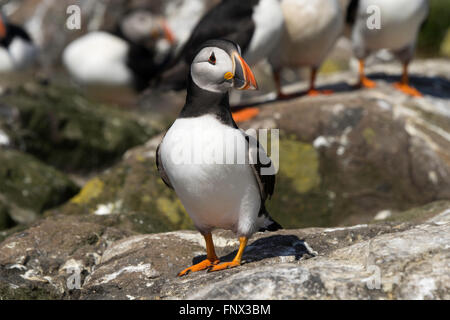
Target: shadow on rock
<point>269,247</point>
<point>437,87</point>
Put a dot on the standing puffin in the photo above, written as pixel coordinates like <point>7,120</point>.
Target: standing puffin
<point>311,30</point>
<point>400,24</point>
<point>125,57</point>
<point>217,193</point>
<point>255,25</point>
<point>17,50</point>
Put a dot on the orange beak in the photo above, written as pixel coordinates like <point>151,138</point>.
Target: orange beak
<point>2,29</point>
<point>168,34</point>
<point>244,78</point>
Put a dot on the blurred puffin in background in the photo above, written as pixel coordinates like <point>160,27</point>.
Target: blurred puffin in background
<point>127,56</point>
<point>17,50</point>
<point>255,25</point>
<point>400,24</point>
<point>182,16</point>
<point>311,30</point>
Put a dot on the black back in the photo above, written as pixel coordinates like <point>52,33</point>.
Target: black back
<point>141,61</point>
<point>352,10</point>
<point>230,19</point>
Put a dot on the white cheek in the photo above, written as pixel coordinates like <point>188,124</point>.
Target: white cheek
<point>211,77</point>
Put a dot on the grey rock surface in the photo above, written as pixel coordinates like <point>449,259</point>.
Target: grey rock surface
<point>396,260</point>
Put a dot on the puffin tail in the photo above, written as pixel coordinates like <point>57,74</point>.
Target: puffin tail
<point>269,224</point>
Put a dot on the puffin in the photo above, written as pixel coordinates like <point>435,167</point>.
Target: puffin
<point>255,25</point>
<point>400,24</point>
<point>311,28</point>
<point>17,50</point>
<point>124,57</point>
<point>182,16</point>
<point>221,175</point>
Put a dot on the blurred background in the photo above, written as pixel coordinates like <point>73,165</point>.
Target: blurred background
<point>353,157</point>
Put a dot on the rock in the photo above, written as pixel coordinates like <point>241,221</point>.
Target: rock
<point>64,129</point>
<point>36,261</point>
<point>133,194</point>
<point>28,187</point>
<point>5,220</point>
<point>399,260</point>
<point>347,156</point>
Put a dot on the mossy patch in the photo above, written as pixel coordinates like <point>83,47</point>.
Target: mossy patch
<point>28,186</point>
<point>331,66</point>
<point>435,27</point>
<point>65,129</point>
<point>91,190</point>
<point>445,46</point>
<point>420,214</point>
<point>5,219</point>
<point>298,200</point>
<point>173,209</point>
<point>300,163</point>
<point>32,293</point>
<point>369,136</point>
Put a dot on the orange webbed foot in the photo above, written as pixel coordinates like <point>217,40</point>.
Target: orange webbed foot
<point>224,266</point>
<point>407,89</point>
<point>315,93</point>
<point>205,264</point>
<point>245,114</point>
<point>367,83</point>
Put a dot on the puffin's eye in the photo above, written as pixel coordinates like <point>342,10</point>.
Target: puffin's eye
<point>212,59</point>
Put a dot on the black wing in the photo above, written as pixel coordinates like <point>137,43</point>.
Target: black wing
<point>263,169</point>
<point>162,172</point>
<point>352,11</point>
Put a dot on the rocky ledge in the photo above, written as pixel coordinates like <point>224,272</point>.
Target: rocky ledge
<point>83,257</point>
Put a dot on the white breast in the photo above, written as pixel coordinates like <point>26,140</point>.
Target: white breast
<point>98,58</point>
<point>269,22</point>
<point>214,195</point>
<point>20,54</point>
<point>311,29</point>
<point>400,23</point>
<point>6,63</point>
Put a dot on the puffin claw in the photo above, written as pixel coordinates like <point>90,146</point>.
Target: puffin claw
<point>205,264</point>
<point>366,83</point>
<point>407,89</point>
<point>224,266</point>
